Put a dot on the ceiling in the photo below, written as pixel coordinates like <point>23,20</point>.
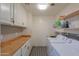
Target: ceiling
<point>50,11</point>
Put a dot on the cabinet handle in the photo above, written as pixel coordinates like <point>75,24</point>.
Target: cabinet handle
<point>25,45</point>
<point>21,54</point>
<point>28,47</point>
<point>12,20</point>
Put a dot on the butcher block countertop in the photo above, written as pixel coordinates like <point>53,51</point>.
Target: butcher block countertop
<point>9,47</point>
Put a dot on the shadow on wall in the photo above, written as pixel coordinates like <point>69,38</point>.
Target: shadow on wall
<point>9,30</point>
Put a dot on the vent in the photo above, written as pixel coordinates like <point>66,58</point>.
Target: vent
<point>52,4</point>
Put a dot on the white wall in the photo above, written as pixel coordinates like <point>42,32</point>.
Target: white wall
<point>42,28</point>
<point>29,23</point>
<point>69,9</point>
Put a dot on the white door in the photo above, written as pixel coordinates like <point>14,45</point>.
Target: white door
<point>5,9</point>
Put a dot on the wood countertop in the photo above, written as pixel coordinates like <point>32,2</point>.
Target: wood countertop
<point>9,47</point>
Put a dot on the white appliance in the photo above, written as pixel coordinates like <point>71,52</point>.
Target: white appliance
<point>63,46</point>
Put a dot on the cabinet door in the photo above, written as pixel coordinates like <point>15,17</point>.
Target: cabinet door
<point>19,15</point>
<point>27,51</point>
<point>24,50</point>
<point>5,9</point>
<point>24,18</point>
<point>18,53</point>
<point>29,47</point>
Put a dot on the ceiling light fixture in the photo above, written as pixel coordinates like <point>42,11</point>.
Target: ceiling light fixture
<point>42,6</point>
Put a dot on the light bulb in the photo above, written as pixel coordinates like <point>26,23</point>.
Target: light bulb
<point>42,6</point>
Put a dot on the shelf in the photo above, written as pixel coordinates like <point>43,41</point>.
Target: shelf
<point>68,30</point>
<point>72,14</point>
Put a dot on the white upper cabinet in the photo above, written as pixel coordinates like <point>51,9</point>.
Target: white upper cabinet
<point>19,15</point>
<point>14,14</point>
<point>5,13</point>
